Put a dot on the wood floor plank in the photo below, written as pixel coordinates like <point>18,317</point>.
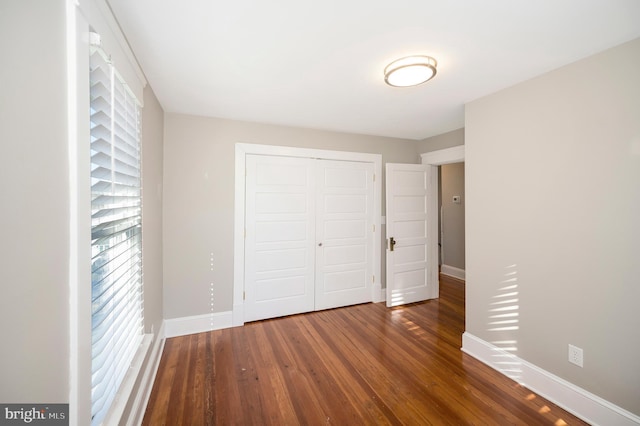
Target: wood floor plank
<point>159,397</point>
<point>360,365</point>
<point>359,397</point>
<point>341,365</point>
<point>276,404</point>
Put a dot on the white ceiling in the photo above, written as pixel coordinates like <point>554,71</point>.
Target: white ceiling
<point>318,64</point>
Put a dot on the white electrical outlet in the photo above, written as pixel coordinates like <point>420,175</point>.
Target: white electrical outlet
<point>575,355</point>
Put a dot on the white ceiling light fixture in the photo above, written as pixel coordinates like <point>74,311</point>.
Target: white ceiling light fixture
<point>410,71</point>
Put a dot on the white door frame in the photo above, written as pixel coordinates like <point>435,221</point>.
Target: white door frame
<point>435,159</point>
<point>242,150</point>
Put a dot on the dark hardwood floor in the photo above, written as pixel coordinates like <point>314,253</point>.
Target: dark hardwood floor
<point>360,365</point>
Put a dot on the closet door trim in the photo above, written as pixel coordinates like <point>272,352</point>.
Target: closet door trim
<point>241,151</point>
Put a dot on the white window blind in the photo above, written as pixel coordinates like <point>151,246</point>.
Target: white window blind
<point>116,240</point>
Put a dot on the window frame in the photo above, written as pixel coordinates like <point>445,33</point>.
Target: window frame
<point>117,313</point>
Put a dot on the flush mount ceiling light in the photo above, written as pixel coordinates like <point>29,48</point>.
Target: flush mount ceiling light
<point>410,71</point>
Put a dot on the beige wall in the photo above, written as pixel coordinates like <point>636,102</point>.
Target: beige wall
<point>152,162</point>
<point>34,189</point>
<point>443,141</point>
<point>552,184</point>
<point>199,198</point>
<point>452,183</point>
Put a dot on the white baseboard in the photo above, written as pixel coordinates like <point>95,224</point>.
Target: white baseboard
<point>379,295</point>
<point>148,378</point>
<point>238,315</point>
<point>581,403</point>
<point>452,271</point>
<point>198,324</point>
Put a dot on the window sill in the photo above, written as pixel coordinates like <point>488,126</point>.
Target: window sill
<point>126,391</point>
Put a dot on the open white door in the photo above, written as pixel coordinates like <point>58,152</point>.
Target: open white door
<point>408,252</point>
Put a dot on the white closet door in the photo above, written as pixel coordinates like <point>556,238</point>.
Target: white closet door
<point>407,266</point>
<point>344,233</point>
<point>280,240</point>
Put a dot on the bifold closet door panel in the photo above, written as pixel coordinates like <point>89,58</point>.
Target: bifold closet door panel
<point>344,233</point>
<point>279,236</point>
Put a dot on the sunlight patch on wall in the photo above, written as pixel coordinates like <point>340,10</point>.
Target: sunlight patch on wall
<point>504,321</point>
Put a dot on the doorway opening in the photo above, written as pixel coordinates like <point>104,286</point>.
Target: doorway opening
<point>433,160</point>
<point>451,231</point>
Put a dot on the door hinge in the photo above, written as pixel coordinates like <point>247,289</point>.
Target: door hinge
<point>373,279</point>
<point>374,227</point>
<point>374,177</point>
<point>244,295</point>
